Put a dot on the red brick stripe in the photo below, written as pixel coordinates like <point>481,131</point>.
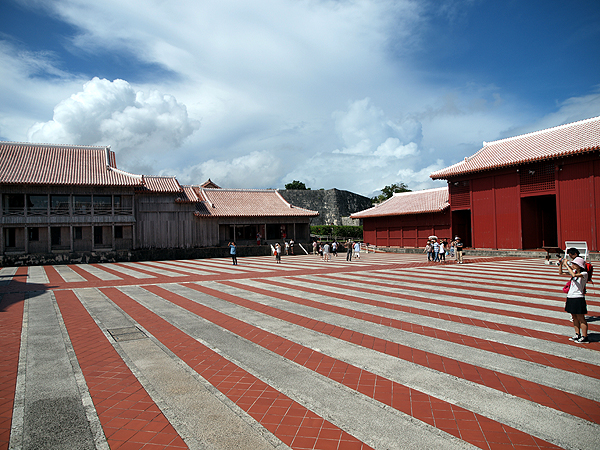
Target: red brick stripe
<point>427,313</point>
<point>462,423</point>
<point>128,415</point>
<point>544,395</point>
<point>11,320</point>
<point>295,425</point>
<point>557,362</point>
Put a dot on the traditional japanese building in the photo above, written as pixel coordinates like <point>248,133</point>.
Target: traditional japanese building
<point>530,191</point>
<point>407,219</point>
<point>67,200</point>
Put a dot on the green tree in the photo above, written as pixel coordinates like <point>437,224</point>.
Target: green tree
<point>298,185</point>
<point>388,192</point>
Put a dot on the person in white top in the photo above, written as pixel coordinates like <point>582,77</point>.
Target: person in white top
<point>576,305</point>
<point>326,252</point>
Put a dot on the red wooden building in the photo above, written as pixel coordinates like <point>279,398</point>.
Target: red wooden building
<point>529,191</point>
<point>407,219</point>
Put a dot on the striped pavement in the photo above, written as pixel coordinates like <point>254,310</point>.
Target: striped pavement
<point>385,352</point>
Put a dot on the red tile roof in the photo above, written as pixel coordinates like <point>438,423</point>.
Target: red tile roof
<point>210,184</point>
<point>26,163</point>
<point>162,185</point>
<point>189,194</point>
<point>564,140</point>
<point>247,203</point>
<point>417,202</point>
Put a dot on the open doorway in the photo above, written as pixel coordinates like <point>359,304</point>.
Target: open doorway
<point>538,221</point>
<point>461,226</point>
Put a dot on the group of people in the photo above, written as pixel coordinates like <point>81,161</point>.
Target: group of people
<point>438,249</point>
<point>325,249</point>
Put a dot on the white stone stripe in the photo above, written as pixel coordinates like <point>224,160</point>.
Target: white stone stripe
<point>150,267</point>
<point>102,274</point>
<point>6,275</point>
<point>548,376</point>
<point>193,268</point>
<point>563,350</point>
<point>546,289</point>
<point>360,416</point>
<point>68,274</point>
<point>444,291</point>
<point>202,416</point>
<point>131,272</point>
<point>462,310</point>
<point>549,424</point>
<point>36,275</point>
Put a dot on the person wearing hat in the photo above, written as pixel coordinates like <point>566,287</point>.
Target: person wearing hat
<point>458,249</point>
<point>575,304</point>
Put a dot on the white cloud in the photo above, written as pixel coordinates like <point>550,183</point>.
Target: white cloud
<point>571,110</point>
<point>321,91</point>
<point>140,126</point>
<point>257,169</point>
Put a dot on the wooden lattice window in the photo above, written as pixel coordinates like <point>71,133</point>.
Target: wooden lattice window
<point>460,194</point>
<point>538,177</point>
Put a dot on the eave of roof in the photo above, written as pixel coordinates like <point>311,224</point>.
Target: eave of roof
<point>247,203</point>
<point>404,203</point>
<point>160,185</point>
<point>557,142</point>
<point>48,164</point>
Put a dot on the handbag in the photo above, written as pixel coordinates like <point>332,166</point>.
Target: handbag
<point>567,287</point>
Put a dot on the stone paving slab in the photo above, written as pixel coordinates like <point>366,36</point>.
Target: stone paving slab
<point>385,352</point>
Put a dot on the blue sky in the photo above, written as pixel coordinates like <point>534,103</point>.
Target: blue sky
<point>349,94</point>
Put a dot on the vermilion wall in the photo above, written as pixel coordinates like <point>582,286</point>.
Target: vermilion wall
<point>579,201</point>
<point>495,215</point>
<point>502,219</point>
<point>411,230</point>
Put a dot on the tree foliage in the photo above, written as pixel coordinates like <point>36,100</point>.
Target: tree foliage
<point>297,185</point>
<point>337,231</point>
<point>388,192</point>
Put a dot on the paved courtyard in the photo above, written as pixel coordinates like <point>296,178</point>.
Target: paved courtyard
<point>385,352</point>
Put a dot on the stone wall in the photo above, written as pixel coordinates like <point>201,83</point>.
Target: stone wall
<point>334,206</point>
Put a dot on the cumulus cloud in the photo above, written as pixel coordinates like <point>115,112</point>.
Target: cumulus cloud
<point>257,169</point>
<point>377,150</point>
<point>138,125</point>
<point>326,92</point>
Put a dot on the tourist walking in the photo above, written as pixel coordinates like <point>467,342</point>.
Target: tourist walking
<point>575,304</point>
<point>458,249</point>
<point>357,250</point>
<point>233,253</point>
<point>278,253</point>
<point>428,250</point>
<point>436,251</point>
<point>349,250</point>
<point>326,252</point>
<point>443,245</point>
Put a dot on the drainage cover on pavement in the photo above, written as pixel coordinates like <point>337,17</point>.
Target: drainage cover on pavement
<point>127,334</point>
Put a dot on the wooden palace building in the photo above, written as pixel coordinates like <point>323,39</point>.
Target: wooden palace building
<point>68,200</point>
